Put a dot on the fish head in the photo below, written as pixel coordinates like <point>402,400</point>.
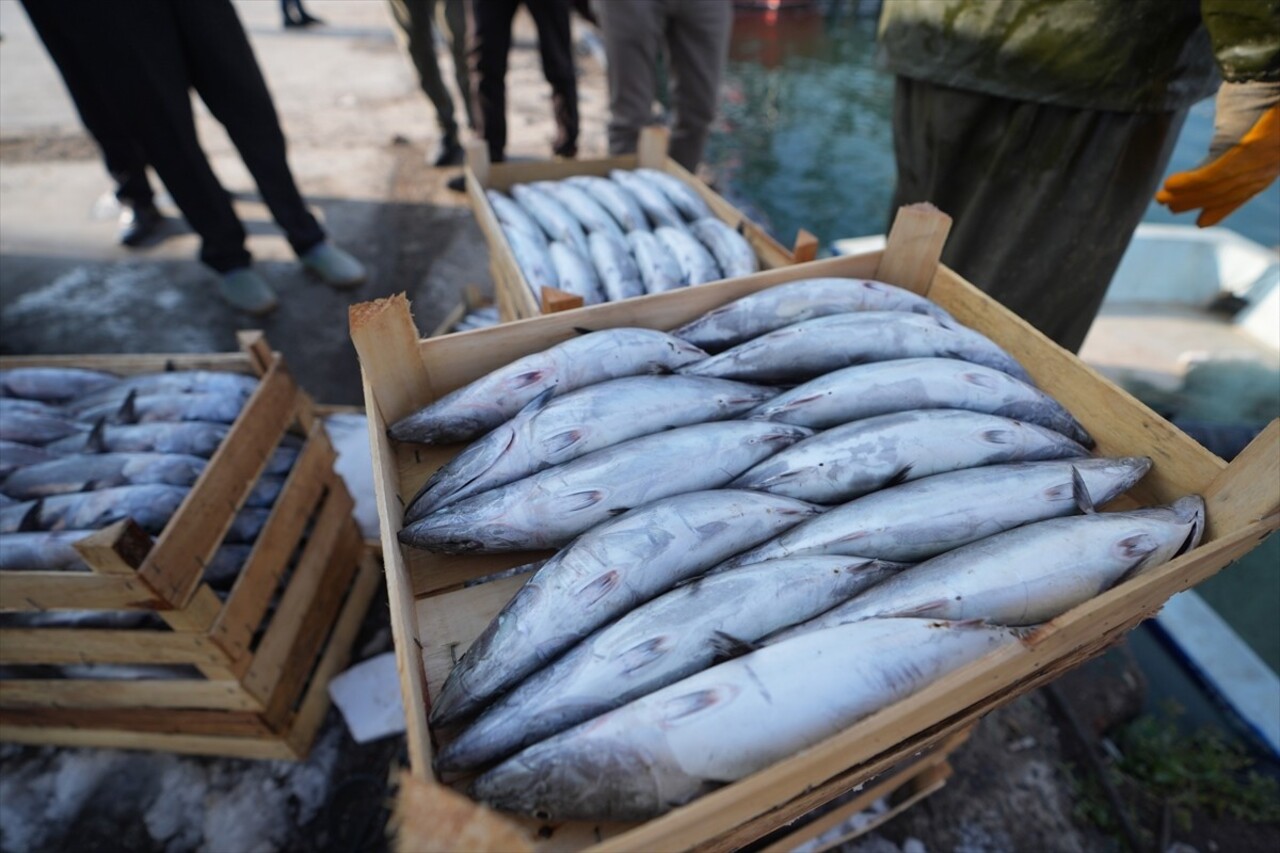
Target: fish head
<point>1098,481</point>
<point>575,776</point>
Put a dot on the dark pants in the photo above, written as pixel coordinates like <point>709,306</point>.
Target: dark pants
<point>417,20</point>
<point>1044,198</point>
<point>121,150</point>
<point>489,51</point>
<point>148,55</point>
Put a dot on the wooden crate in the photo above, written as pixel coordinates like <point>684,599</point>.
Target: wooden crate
<point>434,616</point>
<point>514,295</point>
<point>472,299</point>
<point>259,681</point>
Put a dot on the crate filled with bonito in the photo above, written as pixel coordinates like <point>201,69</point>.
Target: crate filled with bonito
<point>675,571</point>
<point>569,233</point>
<point>179,564</point>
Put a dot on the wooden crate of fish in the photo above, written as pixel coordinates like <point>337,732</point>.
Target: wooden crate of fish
<point>692,523</point>
<point>218,635</point>
<point>566,233</point>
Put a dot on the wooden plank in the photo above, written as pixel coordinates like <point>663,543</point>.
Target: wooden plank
<point>929,782</point>
<point>554,300</point>
<point>429,816</point>
<point>385,336</point>
<point>105,645</point>
<point>37,591</point>
<point>166,721</point>
<point>232,747</point>
<point>914,247</point>
<point>306,722</point>
<point>806,247</point>
<point>188,542</point>
<point>271,554</point>
<point>404,625</point>
<point>1249,489</point>
<point>151,693</point>
<point>329,534</point>
<point>651,146</point>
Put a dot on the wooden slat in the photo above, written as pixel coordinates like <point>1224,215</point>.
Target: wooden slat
<point>914,247</point>
<point>267,563</point>
<point>233,747</point>
<point>384,336</point>
<point>157,693</point>
<point>158,721</point>
<point>193,534</point>
<point>1249,489</point>
<point>329,534</point>
<point>35,591</point>
<point>431,817</point>
<point>105,645</point>
<point>554,300</point>
<point>404,623</point>
<point>306,722</point>
<point>651,146</point>
<point>806,247</point>
<point>133,364</point>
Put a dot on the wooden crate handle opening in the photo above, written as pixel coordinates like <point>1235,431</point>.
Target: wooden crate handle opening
<point>651,148</point>
<point>386,340</point>
<point>914,247</point>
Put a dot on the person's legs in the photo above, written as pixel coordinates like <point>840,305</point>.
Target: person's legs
<point>632,31</point>
<point>555,45</point>
<point>418,39</point>
<point>1044,199</point>
<point>488,68</point>
<point>457,26</point>
<point>698,42</point>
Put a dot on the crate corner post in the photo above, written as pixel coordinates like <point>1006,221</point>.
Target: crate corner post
<point>1248,489</point>
<point>554,300</point>
<point>651,148</point>
<point>914,247</point>
<point>429,816</point>
<point>386,340</point>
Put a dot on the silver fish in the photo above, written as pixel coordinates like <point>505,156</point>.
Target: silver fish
<point>730,249</point>
<point>52,384</point>
<point>556,221</point>
<point>924,518</point>
<point>100,471</point>
<point>1032,574</point>
<point>587,359</point>
<point>513,215</point>
<point>221,572</point>
<point>15,455</point>
<point>696,263</point>
<point>618,271</point>
<point>548,509</point>
<point>151,506</point>
<point>620,202</point>
<point>246,525</point>
<point>11,405</point>
<point>682,196</point>
<point>786,304</point>
<point>173,382</point>
<point>116,619</point>
<point>802,351</point>
<point>658,269</point>
<point>671,637</point>
<point>534,260</point>
<point>584,208</point>
<point>42,551</point>
<point>196,438</point>
<point>605,573</point>
<point>551,432</point>
<point>576,274</point>
<point>26,427</point>
<point>265,491</point>
<point>906,384</point>
<point>851,460</point>
<point>167,408</point>
<point>727,722</point>
<point>652,200</point>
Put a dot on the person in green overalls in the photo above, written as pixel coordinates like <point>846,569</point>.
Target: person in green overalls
<point>1043,127</point>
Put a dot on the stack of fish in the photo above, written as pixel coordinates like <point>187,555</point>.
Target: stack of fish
<point>477,318</point>
<point>853,496</point>
<point>605,239</point>
<point>82,449</point>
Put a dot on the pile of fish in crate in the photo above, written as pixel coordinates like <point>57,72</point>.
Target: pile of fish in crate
<point>179,568</point>
<point>824,498</point>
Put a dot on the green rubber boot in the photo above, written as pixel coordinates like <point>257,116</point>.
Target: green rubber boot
<point>334,266</point>
<point>247,291</point>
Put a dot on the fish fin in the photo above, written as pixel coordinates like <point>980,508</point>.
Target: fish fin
<point>1139,546</point>
<point>127,413</point>
<point>524,380</point>
<point>963,623</point>
<point>97,441</point>
<point>997,435</point>
<point>727,647</point>
<point>980,380</point>
<point>644,653</point>
<point>31,518</point>
<point>538,403</point>
<point>920,611</point>
<point>617,511</point>
<point>562,441</point>
<point>583,331</point>
<point>599,588</point>
<point>688,704</point>
<point>899,477</point>
<point>1081,492</point>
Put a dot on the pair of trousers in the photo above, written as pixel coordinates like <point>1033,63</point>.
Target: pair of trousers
<point>696,38</point>
<point>417,20</point>
<point>489,50</point>
<point>1044,198</point>
<point>147,55</point>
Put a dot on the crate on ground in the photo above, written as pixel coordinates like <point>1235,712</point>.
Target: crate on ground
<point>436,615</point>
<point>248,671</point>
<point>515,296</point>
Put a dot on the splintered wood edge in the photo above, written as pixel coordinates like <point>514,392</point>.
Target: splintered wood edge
<point>430,817</point>
<point>386,340</point>
<point>914,247</point>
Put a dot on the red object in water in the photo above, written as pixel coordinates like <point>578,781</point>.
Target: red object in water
<point>765,31</point>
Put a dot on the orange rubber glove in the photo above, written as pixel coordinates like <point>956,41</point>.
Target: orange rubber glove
<point>1226,182</point>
